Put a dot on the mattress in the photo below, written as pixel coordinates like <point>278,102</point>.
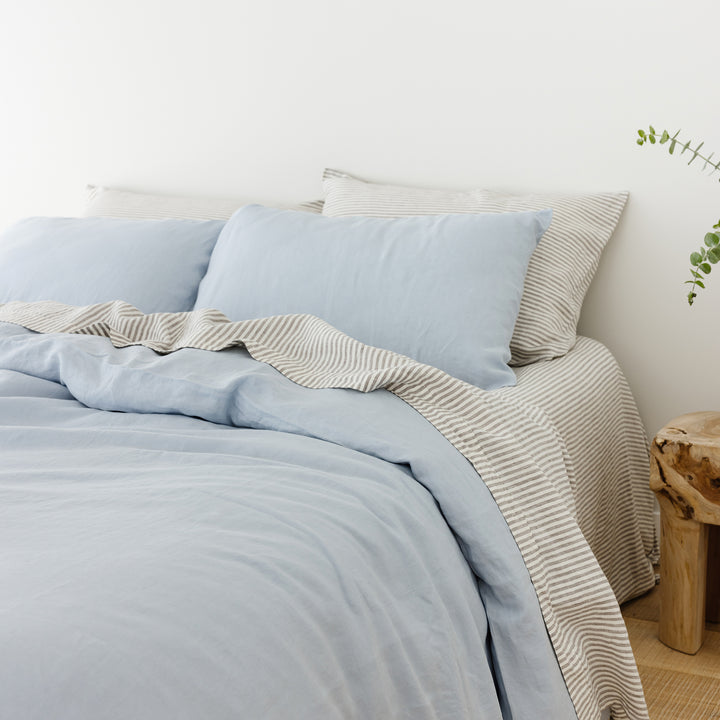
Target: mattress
<point>586,398</point>
<point>200,533</point>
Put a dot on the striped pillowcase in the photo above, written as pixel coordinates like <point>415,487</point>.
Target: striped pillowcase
<point>110,202</point>
<point>560,270</point>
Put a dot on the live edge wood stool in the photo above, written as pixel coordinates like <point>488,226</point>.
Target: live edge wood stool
<point>685,476</point>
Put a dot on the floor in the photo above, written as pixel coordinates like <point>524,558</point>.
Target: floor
<point>677,686</point>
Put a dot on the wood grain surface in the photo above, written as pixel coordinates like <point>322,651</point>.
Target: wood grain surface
<point>685,476</point>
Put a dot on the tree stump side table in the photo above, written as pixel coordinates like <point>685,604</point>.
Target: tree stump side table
<point>685,476</point>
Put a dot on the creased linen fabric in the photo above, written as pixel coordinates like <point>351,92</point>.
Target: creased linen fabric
<point>580,611</point>
<point>232,544</point>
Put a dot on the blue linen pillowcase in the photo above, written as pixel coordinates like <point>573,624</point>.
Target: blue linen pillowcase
<point>443,289</point>
<point>155,265</point>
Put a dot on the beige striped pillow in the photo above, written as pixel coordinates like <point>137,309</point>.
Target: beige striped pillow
<point>111,202</point>
<point>560,270</point>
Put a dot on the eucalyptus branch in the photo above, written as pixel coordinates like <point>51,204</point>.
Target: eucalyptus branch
<point>650,136</point>
<point>702,260</point>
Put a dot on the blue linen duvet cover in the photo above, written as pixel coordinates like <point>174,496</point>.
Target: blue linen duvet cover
<point>196,536</point>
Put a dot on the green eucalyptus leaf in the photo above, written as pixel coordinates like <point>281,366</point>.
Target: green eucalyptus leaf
<point>708,254</point>
<point>696,152</point>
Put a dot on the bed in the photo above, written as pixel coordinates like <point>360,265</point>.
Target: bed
<point>214,503</point>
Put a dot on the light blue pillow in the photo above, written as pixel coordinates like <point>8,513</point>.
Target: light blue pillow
<point>155,265</point>
<point>443,289</point>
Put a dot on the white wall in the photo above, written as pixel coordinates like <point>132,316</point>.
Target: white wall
<point>254,98</point>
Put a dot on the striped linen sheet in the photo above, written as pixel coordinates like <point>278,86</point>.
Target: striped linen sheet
<point>585,396</point>
<point>512,445</point>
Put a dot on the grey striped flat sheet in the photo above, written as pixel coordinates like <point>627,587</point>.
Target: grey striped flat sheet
<point>585,396</point>
<point>560,270</point>
<point>513,446</point>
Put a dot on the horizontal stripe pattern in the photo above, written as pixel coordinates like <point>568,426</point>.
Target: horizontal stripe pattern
<point>560,270</point>
<point>585,396</point>
<point>110,202</point>
<point>529,479</point>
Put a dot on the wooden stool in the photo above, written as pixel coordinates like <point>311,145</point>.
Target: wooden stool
<point>685,475</point>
